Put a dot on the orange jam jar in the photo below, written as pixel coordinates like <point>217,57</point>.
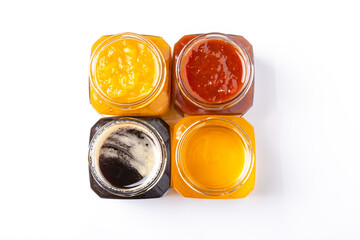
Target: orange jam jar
<point>129,75</point>
<point>213,157</point>
<point>213,74</point>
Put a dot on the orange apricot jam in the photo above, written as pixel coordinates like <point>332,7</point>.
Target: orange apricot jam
<point>129,75</point>
<point>213,157</point>
<point>126,71</point>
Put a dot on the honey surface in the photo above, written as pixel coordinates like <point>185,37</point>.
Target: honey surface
<point>213,157</point>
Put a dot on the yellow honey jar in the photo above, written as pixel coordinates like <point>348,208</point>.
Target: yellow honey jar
<point>213,157</point>
<point>129,75</point>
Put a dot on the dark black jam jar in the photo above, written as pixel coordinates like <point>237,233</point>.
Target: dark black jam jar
<point>129,157</point>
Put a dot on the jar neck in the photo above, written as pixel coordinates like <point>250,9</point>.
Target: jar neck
<point>161,65</point>
<point>94,149</point>
<point>248,155</point>
<point>247,76</point>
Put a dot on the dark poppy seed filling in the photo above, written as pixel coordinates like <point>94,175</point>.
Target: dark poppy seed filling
<point>127,156</point>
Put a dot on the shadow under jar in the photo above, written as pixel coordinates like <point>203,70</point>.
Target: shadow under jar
<point>129,157</point>
<point>213,74</point>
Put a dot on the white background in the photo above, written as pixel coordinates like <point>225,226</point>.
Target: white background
<point>305,114</point>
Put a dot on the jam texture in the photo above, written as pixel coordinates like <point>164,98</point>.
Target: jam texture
<point>211,83</point>
<point>126,71</point>
<point>213,71</point>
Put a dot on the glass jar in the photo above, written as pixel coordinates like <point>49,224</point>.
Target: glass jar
<point>213,74</point>
<point>129,75</point>
<point>129,157</point>
<point>213,157</point>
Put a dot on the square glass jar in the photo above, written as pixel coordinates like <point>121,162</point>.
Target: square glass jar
<point>129,158</point>
<point>129,75</point>
<point>213,157</point>
<point>213,74</point>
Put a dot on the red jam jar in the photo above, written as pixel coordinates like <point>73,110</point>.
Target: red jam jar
<point>213,74</point>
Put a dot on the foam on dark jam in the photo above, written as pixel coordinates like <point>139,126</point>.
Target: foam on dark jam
<point>212,71</point>
<point>127,156</point>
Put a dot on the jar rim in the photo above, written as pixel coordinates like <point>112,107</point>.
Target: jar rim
<point>248,161</point>
<point>160,81</point>
<point>96,172</point>
<point>245,60</point>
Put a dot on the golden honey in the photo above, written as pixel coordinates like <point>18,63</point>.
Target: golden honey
<point>213,157</point>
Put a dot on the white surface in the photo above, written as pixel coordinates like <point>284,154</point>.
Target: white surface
<point>306,118</point>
